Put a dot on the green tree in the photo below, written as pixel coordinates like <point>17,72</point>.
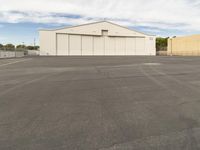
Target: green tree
<point>21,46</point>
<point>161,44</point>
<point>32,47</point>
<point>9,47</point>
<point>1,46</point>
<point>37,47</point>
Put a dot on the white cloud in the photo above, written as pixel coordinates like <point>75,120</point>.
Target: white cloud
<point>159,14</point>
<point>2,38</point>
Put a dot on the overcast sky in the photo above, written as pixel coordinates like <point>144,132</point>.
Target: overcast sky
<point>21,19</point>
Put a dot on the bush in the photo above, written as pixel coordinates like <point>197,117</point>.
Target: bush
<point>32,47</point>
<point>21,47</point>
<point>10,47</point>
<point>161,44</point>
<point>1,46</point>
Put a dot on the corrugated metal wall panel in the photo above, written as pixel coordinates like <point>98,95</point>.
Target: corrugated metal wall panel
<point>130,46</point>
<point>75,45</point>
<point>140,46</point>
<point>120,46</point>
<point>99,45</point>
<point>47,43</point>
<point>87,45</point>
<point>149,46</point>
<point>104,45</point>
<point>62,44</point>
<point>110,45</point>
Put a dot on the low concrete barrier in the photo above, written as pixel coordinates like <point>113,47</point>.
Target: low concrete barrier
<point>33,53</point>
<point>19,54</point>
<point>161,53</point>
<point>11,54</point>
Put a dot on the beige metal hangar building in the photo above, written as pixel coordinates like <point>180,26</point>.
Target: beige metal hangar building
<point>96,39</point>
<point>184,46</point>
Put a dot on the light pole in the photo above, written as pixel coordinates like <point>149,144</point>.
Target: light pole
<point>23,47</point>
<point>171,47</point>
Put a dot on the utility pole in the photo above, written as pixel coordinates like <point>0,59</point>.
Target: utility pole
<point>23,47</point>
<point>34,43</point>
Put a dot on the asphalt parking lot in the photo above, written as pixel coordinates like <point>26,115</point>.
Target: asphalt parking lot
<point>100,103</point>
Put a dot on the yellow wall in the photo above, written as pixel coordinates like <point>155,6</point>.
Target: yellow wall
<point>184,46</point>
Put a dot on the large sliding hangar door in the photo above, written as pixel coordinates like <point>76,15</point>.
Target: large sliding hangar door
<point>99,45</point>
<point>110,39</point>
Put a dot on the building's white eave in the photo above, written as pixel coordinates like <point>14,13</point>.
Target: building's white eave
<point>68,27</point>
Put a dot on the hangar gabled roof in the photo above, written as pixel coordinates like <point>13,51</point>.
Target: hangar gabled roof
<point>69,27</point>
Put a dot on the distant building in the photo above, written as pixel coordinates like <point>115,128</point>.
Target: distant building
<point>184,46</point>
<point>100,38</point>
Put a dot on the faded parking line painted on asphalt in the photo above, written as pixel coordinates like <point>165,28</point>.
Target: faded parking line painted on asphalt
<point>10,63</point>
